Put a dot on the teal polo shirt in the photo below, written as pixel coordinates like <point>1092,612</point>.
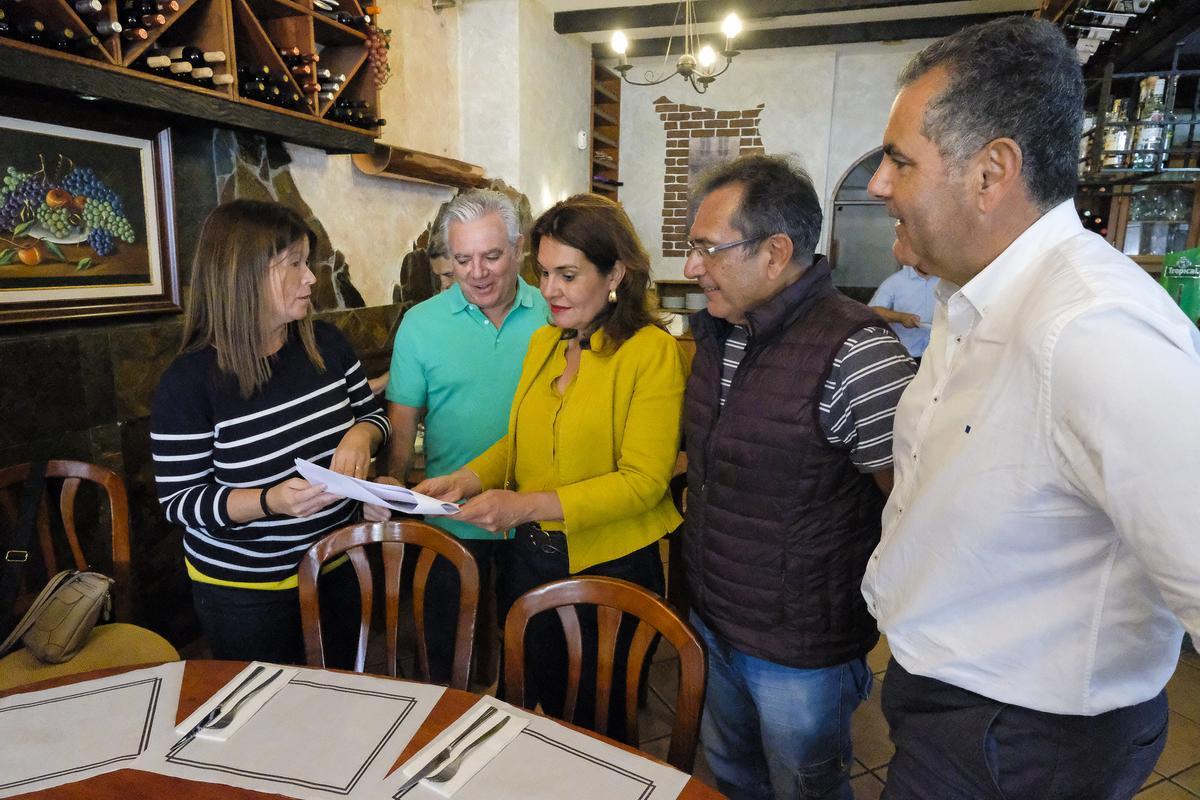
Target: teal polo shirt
<point>452,361</point>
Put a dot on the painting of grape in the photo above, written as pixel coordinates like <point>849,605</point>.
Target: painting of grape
<point>60,205</point>
<point>79,220</point>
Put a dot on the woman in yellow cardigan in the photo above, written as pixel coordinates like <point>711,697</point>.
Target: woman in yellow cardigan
<point>592,437</point>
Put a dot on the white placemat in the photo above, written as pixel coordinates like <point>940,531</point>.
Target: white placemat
<point>549,761</point>
<point>322,735</point>
<point>73,732</point>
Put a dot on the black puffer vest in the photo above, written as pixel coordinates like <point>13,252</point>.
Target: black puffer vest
<point>780,524</point>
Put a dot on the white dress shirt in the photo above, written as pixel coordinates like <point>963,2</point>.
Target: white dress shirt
<point>1042,542</point>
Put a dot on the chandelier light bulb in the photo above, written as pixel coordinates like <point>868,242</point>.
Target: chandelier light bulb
<point>707,56</point>
<point>619,43</point>
<point>732,26</point>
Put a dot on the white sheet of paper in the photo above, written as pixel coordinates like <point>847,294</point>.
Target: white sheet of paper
<point>73,732</point>
<point>248,710</point>
<point>323,735</point>
<point>396,498</point>
<point>549,761</point>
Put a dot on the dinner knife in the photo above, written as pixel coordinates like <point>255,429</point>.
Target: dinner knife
<point>444,755</point>
<point>211,716</point>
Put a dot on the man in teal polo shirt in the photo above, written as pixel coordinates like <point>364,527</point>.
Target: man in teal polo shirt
<point>456,362</point>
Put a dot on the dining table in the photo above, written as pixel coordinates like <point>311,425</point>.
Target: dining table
<point>201,679</point>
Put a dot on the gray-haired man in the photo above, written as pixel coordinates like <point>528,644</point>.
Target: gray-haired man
<point>456,362</point>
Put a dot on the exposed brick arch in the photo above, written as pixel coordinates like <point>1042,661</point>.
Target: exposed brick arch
<point>682,124</point>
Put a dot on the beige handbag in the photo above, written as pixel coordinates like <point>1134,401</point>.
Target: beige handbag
<point>57,625</point>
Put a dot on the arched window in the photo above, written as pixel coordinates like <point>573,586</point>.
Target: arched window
<point>861,233</point>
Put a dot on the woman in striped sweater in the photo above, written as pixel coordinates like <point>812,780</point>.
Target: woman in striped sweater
<point>257,385</point>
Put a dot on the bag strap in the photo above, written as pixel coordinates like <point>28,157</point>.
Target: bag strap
<point>15,555</point>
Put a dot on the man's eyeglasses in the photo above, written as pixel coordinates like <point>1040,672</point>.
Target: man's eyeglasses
<point>708,251</point>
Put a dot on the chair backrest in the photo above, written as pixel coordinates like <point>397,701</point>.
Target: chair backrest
<point>391,537</point>
<point>613,598</point>
<point>73,473</point>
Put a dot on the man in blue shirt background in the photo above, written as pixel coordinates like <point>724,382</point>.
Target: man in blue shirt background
<point>905,300</point>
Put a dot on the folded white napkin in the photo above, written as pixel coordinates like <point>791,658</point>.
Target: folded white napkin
<point>282,676</point>
<point>478,758</point>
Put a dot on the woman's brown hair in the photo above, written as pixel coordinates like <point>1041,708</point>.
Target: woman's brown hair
<point>601,230</point>
<point>229,301</point>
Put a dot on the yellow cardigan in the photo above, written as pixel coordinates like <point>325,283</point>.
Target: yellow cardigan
<point>619,441</point>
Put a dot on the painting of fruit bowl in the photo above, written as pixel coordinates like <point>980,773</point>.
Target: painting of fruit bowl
<point>85,222</point>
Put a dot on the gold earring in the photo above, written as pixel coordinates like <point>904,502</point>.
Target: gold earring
<point>612,295</point>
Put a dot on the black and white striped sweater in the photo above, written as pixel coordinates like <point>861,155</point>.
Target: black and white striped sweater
<point>207,440</point>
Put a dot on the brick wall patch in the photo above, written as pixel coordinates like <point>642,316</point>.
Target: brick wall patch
<point>683,123</point>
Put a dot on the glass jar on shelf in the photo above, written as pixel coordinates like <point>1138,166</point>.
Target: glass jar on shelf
<point>1159,220</point>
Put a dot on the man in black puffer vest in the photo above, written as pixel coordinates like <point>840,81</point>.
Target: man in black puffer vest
<point>788,420</point>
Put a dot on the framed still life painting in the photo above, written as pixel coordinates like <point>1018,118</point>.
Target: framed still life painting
<point>86,222</point>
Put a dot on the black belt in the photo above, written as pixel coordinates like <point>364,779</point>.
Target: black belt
<point>531,534</point>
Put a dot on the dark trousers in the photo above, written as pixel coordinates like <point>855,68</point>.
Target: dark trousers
<point>441,603</point>
<point>529,565</point>
<point>264,625</point>
<point>952,744</point>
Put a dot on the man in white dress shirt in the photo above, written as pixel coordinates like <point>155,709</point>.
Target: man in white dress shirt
<point>1040,554</point>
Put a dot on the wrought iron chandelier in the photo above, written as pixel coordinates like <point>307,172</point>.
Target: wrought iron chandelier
<point>698,62</point>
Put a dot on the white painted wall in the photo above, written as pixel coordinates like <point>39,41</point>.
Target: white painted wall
<point>420,101</point>
<point>826,105</point>
<point>555,105</point>
<point>489,102</point>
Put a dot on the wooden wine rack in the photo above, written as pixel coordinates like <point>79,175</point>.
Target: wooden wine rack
<point>248,31</point>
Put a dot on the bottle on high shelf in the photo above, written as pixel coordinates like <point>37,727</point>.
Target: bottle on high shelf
<point>325,97</point>
<point>222,79</point>
<point>167,6</point>
<point>135,34</point>
<point>158,64</point>
<point>252,71</point>
<point>88,6</point>
<point>330,87</point>
<point>32,31</point>
<point>107,27</point>
<point>303,70</point>
<point>150,8</point>
<point>69,41</point>
<point>195,56</point>
<point>289,51</point>
<point>132,16</point>
<point>300,60</point>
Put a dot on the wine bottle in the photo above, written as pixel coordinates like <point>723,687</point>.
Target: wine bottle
<point>195,56</point>
<point>134,34</point>
<point>289,51</point>
<point>302,71</point>
<point>107,27</point>
<point>158,64</point>
<point>330,87</point>
<point>32,31</point>
<point>222,79</point>
<point>167,6</point>
<point>88,6</point>
<point>180,69</point>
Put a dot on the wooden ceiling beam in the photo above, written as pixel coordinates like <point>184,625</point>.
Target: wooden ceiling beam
<point>882,31</point>
<point>660,14</point>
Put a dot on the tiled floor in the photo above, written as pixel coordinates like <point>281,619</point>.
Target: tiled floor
<point>1176,776</point>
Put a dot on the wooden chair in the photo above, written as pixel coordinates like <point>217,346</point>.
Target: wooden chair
<point>392,537</point>
<point>613,598</point>
<point>116,644</point>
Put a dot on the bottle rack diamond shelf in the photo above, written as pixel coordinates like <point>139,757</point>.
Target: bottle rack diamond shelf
<point>249,32</point>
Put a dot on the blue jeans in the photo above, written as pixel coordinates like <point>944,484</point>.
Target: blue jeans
<point>775,731</point>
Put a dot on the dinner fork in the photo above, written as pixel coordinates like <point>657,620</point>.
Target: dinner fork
<point>225,721</point>
<point>451,769</point>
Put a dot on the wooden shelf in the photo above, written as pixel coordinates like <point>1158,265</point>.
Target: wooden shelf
<point>249,31</point>
<point>606,129</point>
<point>403,164</point>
